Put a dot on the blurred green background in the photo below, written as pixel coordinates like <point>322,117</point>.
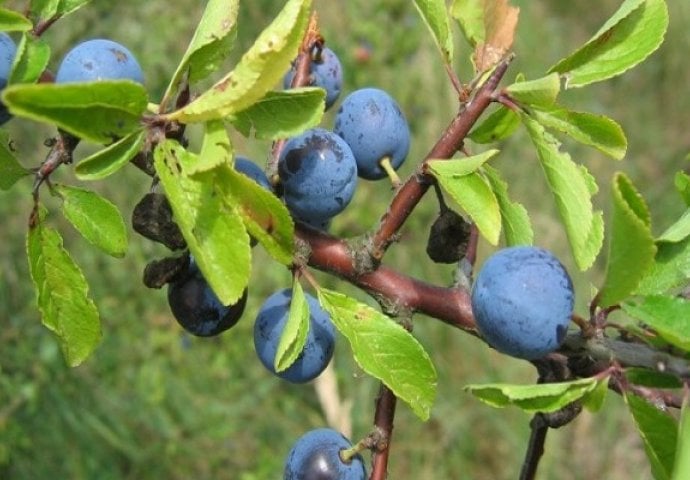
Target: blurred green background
<point>155,403</point>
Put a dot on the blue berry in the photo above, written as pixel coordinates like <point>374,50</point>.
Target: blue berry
<point>319,346</point>
<point>8,50</point>
<point>523,301</point>
<point>326,73</point>
<point>197,308</point>
<point>253,171</point>
<point>316,456</point>
<point>99,59</point>
<point>318,174</point>
<point>374,127</point>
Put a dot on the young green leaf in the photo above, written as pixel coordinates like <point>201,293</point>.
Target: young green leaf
<point>435,15</point>
<point>543,397</point>
<point>258,70</point>
<point>597,131</point>
<point>678,231</point>
<point>31,59</point>
<point>572,187</point>
<point>216,149</point>
<point>95,218</point>
<point>264,215</point>
<point>681,467</point>
<point>212,227</point>
<point>62,293</point>
<point>385,350</point>
<point>109,160</point>
<point>631,245</point>
<point>10,168</point>
<point>659,432</point>
<point>626,39</point>
<point>515,222</point>
<point>294,334</point>
<point>212,42</point>
<point>43,9</point>
<point>282,114</point>
<point>474,194</point>
<point>668,316</point>
<point>12,21</point>
<point>498,125</point>
<point>542,91</point>
<point>113,108</point>
<point>671,268</point>
<point>460,167</point>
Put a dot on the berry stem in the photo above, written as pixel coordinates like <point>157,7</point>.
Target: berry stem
<point>387,166</point>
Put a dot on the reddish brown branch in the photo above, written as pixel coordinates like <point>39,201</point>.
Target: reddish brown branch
<point>383,422</point>
<point>412,191</point>
<point>450,305</point>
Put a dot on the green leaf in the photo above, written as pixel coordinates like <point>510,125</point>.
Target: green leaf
<point>95,218</point>
<point>44,9</point>
<point>10,168</point>
<point>474,194</point>
<point>109,160</point>
<point>294,334</point>
<point>264,215</point>
<point>597,131</point>
<point>497,126</point>
<point>211,226</point>
<point>31,60</point>
<point>631,246</point>
<point>385,350</point>
<point>12,21</point>
<point>659,432</point>
<point>470,17</point>
<point>435,15</point>
<point>282,114</point>
<point>594,400</point>
<point>681,468</point>
<point>543,397</point>
<point>628,37</point>
<point>671,268</point>
<point>678,231</point>
<point>258,71</point>
<point>216,148</point>
<point>542,91</point>
<point>213,40</point>
<point>682,183</point>
<point>515,222</point>
<point>651,378</point>
<point>668,316</point>
<point>62,293</point>
<point>112,109</point>
<point>459,167</point>
<point>572,187</point>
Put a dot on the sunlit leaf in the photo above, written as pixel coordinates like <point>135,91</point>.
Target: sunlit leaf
<point>515,222</point>
<point>109,160</point>
<point>62,293</point>
<point>572,187</point>
<point>668,316</point>
<point>631,244</point>
<point>95,218</point>
<point>435,15</point>
<point>626,39</point>
<point>385,350</point>
<point>261,67</point>
<point>294,334</point>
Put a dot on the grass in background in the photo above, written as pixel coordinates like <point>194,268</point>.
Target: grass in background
<point>156,403</point>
